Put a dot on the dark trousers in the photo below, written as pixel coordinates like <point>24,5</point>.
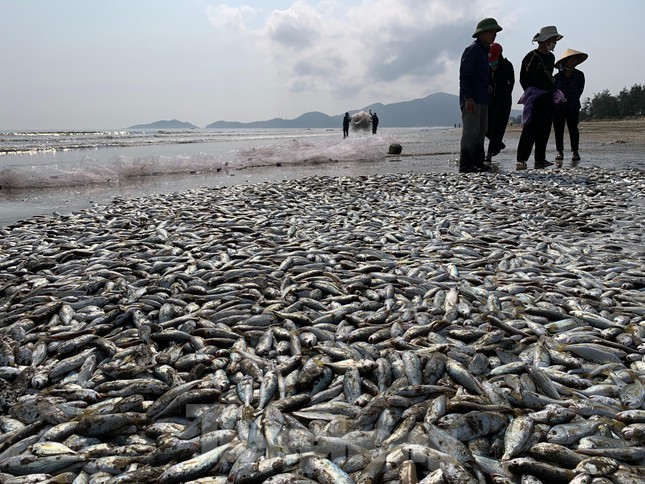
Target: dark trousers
<point>473,132</point>
<point>571,117</point>
<point>537,131</point>
<point>499,110</point>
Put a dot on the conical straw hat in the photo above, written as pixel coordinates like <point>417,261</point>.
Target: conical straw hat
<point>572,53</point>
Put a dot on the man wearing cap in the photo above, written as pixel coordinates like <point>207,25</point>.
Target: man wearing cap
<point>571,82</point>
<point>474,96</point>
<point>502,80</point>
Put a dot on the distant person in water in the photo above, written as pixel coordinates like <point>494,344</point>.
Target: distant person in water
<point>346,121</point>
<point>374,122</point>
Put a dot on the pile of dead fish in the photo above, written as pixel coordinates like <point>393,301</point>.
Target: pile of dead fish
<point>399,328</point>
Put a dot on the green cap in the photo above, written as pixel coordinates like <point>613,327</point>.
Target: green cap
<point>487,24</point>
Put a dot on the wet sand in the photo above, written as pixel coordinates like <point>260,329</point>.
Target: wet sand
<point>604,144</point>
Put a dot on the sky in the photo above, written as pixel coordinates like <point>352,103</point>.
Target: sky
<point>82,64</point>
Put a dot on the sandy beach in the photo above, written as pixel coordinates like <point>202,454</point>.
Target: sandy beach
<point>630,131</point>
<point>338,323</point>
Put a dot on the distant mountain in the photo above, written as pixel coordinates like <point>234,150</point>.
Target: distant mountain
<point>172,124</point>
<point>313,119</point>
<point>438,109</point>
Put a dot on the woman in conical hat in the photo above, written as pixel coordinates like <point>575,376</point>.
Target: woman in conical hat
<point>571,81</point>
<point>575,56</point>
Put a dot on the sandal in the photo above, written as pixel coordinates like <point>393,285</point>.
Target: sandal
<point>559,156</point>
<point>575,157</point>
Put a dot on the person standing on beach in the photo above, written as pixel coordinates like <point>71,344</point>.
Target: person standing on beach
<point>502,80</point>
<point>571,82</point>
<point>374,121</point>
<point>346,121</point>
<point>536,78</point>
<point>474,96</point>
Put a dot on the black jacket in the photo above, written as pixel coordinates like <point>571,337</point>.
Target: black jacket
<point>502,80</point>
<point>537,71</point>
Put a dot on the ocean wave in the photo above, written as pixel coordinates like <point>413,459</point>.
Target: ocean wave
<point>34,142</point>
<point>112,167</point>
<point>92,171</point>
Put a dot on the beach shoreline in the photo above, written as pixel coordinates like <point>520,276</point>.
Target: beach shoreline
<point>613,144</point>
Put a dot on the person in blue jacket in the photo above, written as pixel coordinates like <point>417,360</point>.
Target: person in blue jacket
<point>474,96</point>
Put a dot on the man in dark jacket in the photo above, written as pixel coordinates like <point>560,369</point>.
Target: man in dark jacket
<point>346,121</point>
<point>474,96</point>
<point>374,123</point>
<point>502,80</point>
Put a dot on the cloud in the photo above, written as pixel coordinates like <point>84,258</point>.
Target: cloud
<point>316,68</point>
<point>320,47</point>
<point>420,54</point>
<point>296,28</point>
<point>225,17</point>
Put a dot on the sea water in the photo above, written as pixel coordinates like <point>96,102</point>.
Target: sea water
<point>46,171</point>
<point>62,171</point>
<point>41,160</point>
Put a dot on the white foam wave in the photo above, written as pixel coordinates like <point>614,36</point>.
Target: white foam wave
<point>92,171</point>
<point>102,170</point>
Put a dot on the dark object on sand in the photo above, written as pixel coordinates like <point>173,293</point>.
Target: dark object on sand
<point>395,149</point>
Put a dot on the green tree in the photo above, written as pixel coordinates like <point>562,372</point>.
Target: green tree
<point>629,102</point>
<point>632,101</point>
<point>604,105</point>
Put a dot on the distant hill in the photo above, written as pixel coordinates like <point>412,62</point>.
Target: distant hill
<point>172,124</point>
<point>438,109</point>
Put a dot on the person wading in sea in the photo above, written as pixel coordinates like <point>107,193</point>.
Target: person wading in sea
<point>374,121</point>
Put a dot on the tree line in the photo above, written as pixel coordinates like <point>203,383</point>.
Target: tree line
<point>629,102</point>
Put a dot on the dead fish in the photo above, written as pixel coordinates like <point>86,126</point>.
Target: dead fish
<point>282,315</point>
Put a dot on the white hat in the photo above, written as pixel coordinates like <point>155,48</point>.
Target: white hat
<point>546,33</point>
